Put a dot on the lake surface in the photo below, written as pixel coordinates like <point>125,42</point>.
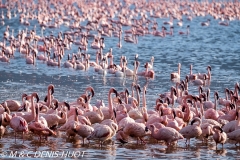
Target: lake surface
<point>215,45</point>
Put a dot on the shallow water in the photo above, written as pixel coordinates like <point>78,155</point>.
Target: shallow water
<point>214,45</point>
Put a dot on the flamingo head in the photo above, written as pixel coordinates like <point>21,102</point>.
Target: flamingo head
<point>67,105</point>
<point>216,94</point>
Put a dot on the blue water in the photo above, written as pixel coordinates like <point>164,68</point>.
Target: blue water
<point>213,45</point>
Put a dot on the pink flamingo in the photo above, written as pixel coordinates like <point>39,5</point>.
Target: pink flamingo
<point>102,133</point>
<point>136,130</point>
<point>18,124</point>
<point>167,134</point>
<point>234,135</point>
<point>191,75</point>
<point>219,136</point>
<point>146,73</point>
<point>176,75</point>
<point>192,130</point>
<point>39,128</point>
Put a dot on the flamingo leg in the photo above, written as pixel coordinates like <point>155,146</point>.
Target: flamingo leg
<point>15,136</point>
<point>83,141</point>
<point>23,136</point>
<point>142,141</point>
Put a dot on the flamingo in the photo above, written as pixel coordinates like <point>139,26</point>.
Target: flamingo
<point>102,133</point>
<point>39,128</point>
<point>84,131</point>
<point>48,99</point>
<point>136,130</point>
<point>18,124</point>
<point>12,105</point>
<point>232,125</point>
<point>187,31</point>
<point>176,75</point>
<point>146,73</point>
<point>234,136</point>
<point>31,59</point>
<point>108,111</point>
<point>150,65</point>
<point>219,136</point>
<point>199,82</point>
<point>208,75</point>
<point>191,75</point>
<point>167,134</point>
<point>5,58</point>
<point>192,130</point>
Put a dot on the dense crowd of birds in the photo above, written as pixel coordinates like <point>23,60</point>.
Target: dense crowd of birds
<point>125,115</point>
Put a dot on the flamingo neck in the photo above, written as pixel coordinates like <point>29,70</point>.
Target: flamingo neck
<point>208,94</point>
<point>63,119</point>
<point>126,98</point>
<point>59,61</point>
<point>238,122</point>
<point>111,61</point>
<point>138,97</point>
<point>144,99</point>
<point>37,113</point>
<point>154,132</point>
<point>236,91</point>
<point>34,58</point>
<point>196,109</point>
<point>179,69</point>
<point>49,98</point>
<point>110,104</point>
<point>33,108</point>
<point>187,113</point>
<point>215,103</point>
<point>209,74</point>
<point>101,114</point>
<point>226,95</point>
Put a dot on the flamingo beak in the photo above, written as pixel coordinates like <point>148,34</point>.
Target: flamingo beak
<point>146,129</point>
<point>123,141</point>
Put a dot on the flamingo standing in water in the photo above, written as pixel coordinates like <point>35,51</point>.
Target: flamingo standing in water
<point>102,133</point>
<point>219,136</point>
<point>137,130</point>
<point>39,128</point>
<point>192,130</point>
<point>18,124</point>
<point>167,134</point>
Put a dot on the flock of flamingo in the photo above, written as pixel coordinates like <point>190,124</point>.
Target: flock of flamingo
<point>126,115</point>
